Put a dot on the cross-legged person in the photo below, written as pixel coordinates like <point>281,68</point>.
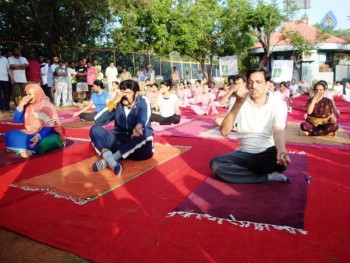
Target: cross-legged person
<point>132,136</point>
<point>260,120</point>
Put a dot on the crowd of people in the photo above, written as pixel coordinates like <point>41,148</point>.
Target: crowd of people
<point>257,111</point>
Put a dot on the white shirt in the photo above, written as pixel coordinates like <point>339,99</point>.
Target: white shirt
<point>294,89</point>
<point>111,73</point>
<point>167,106</point>
<point>4,66</point>
<point>255,125</point>
<point>44,68</point>
<point>19,75</point>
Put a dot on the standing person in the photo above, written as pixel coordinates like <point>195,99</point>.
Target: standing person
<point>42,129</point>
<point>61,88</point>
<point>141,76</point>
<point>260,122</point>
<point>44,70</point>
<point>151,74</point>
<point>125,74</point>
<point>91,76</point>
<point>5,73</point>
<point>18,65</point>
<point>100,99</point>
<point>33,70</point>
<point>70,75</point>
<point>111,74</point>
<point>50,77</point>
<point>321,113</point>
<point>132,136</point>
<point>98,67</point>
<point>175,78</point>
<point>167,110</point>
<point>82,87</point>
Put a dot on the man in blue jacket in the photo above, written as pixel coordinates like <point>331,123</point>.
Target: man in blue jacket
<point>132,136</point>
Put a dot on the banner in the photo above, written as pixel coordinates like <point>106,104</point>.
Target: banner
<point>228,66</point>
<point>282,70</point>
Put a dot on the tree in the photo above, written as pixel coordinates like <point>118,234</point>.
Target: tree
<point>264,20</point>
<point>65,22</point>
<point>199,29</point>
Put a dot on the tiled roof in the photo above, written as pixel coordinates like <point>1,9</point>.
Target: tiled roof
<point>307,31</point>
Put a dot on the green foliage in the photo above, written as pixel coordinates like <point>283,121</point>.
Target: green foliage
<point>264,20</point>
<point>65,22</point>
<point>201,29</point>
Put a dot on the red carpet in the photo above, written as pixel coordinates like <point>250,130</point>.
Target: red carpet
<point>7,158</point>
<point>78,183</point>
<point>131,223</point>
<point>262,205</point>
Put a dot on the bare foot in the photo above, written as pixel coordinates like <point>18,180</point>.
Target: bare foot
<point>26,154</point>
<point>303,133</point>
<point>155,123</point>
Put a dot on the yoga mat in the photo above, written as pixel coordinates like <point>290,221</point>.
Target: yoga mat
<point>160,128</point>
<point>214,133</point>
<point>78,183</point>
<point>7,158</point>
<point>192,129</point>
<point>271,204</point>
<point>292,135</point>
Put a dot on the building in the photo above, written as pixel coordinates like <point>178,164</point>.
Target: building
<point>330,60</point>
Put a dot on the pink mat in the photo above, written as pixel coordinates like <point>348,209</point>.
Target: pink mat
<point>160,128</point>
<point>191,129</point>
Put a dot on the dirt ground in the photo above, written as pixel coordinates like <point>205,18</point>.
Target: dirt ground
<point>16,248</point>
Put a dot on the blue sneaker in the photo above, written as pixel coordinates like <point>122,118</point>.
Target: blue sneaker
<point>118,169</point>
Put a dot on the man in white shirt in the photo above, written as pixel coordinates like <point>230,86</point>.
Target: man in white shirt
<point>5,72</point>
<point>18,65</point>
<point>260,120</point>
<point>44,69</point>
<point>50,76</point>
<point>111,74</point>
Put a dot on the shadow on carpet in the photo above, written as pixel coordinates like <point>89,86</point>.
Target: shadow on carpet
<point>78,183</point>
<point>264,206</point>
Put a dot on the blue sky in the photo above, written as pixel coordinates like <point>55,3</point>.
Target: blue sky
<point>319,8</point>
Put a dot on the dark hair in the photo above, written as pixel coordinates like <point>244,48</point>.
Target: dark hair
<point>241,76</point>
<point>283,83</point>
<point>99,83</point>
<point>267,75</point>
<point>154,84</point>
<point>116,82</point>
<point>129,84</point>
<point>322,83</point>
<point>199,81</point>
<point>166,83</point>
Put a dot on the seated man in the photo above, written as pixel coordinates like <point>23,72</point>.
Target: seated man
<point>260,120</point>
<point>132,136</point>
